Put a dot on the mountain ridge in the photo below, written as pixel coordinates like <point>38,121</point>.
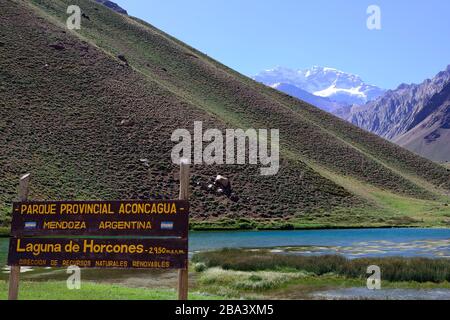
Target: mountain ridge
<point>403,109</point>
<point>429,135</point>
<point>113,6</point>
<point>323,103</point>
<point>341,88</point>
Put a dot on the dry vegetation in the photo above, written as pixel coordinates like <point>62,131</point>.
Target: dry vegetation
<point>395,269</point>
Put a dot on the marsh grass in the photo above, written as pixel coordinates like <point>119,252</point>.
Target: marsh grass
<point>393,269</point>
<point>232,283</point>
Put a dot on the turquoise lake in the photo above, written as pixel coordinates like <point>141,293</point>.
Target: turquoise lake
<point>351,243</point>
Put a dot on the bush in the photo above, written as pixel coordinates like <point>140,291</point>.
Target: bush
<point>255,278</point>
<point>200,267</point>
<point>240,280</point>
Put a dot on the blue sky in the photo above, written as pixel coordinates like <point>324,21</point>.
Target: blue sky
<point>253,35</point>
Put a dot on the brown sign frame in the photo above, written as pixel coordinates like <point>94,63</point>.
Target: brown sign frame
<point>19,233</point>
<point>145,253</point>
<point>167,218</point>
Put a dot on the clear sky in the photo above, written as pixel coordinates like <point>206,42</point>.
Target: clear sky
<point>253,35</point>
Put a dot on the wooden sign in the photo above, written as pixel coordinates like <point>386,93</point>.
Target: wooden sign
<point>168,220</point>
<point>101,218</point>
<point>99,253</point>
<point>100,234</point>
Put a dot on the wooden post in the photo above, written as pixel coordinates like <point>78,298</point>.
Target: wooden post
<point>183,282</point>
<point>14,273</point>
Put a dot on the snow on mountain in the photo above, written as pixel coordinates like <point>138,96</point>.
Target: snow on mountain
<point>321,102</point>
<point>337,86</point>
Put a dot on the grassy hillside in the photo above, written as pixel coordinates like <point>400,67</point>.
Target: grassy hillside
<point>81,120</point>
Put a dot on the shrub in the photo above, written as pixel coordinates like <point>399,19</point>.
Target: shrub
<point>200,267</point>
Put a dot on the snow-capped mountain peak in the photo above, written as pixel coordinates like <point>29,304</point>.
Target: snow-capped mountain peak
<point>337,86</point>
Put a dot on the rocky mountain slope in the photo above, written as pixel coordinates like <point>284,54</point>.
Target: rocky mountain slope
<point>414,116</point>
<point>90,114</point>
<point>431,136</point>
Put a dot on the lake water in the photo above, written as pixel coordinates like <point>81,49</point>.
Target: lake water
<point>384,294</point>
<point>351,243</point>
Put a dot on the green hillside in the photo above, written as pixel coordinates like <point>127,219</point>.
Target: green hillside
<point>81,120</point>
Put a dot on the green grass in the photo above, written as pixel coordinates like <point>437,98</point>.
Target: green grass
<point>93,291</point>
<point>212,284</point>
<point>258,274</point>
<point>253,285</point>
<point>4,231</point>
<point>386,208</point>
<point>252,281</point>
<point>287,284</point>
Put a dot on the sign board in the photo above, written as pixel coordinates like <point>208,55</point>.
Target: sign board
<point>100,218</point>
<point>99,253</point>
<point>100,234</point>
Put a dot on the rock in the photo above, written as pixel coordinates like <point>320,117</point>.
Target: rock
<point>145,162</point>
<point>223,181</point>
<point>122,58</point>
<point>2,44</point>
<point>126,123</point>
<point>57,46</point>
<point>191,55</point>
